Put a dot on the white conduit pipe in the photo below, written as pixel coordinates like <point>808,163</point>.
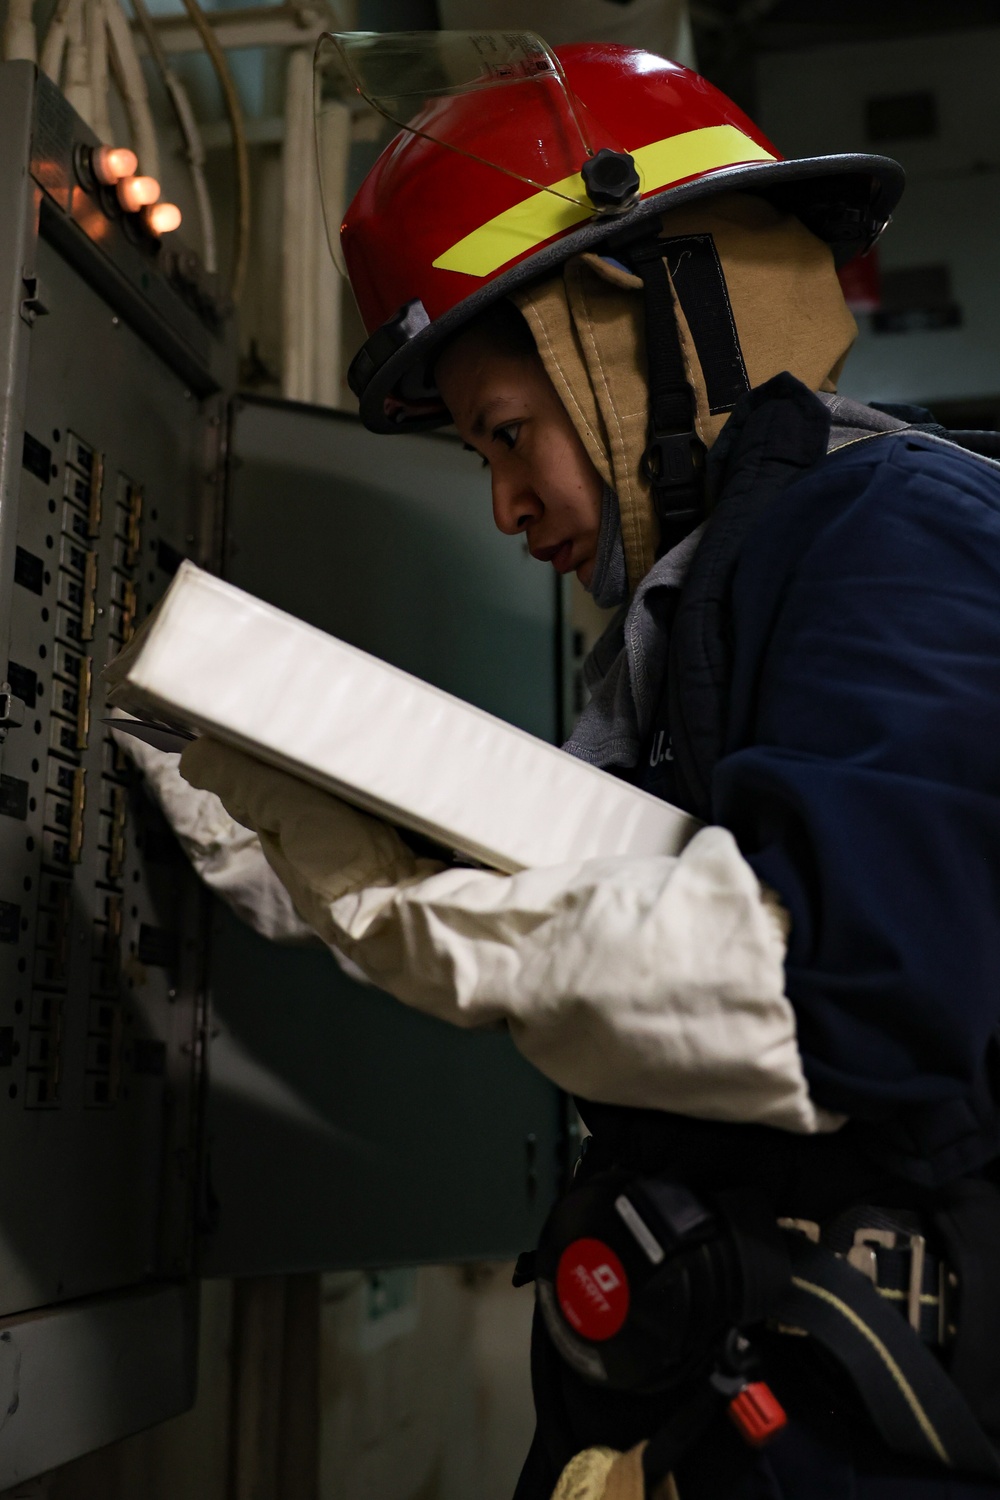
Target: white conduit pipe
<point>132,83</point>
<point>54,45</point>
<point>190,134</point>
<point>196,160</point>
<point>296,356</point>
<point>20,43</point>
<point>335,144</point>
<point>76,85</point>
<point>311,291</point>
<point>241,160</point>
<point>97,58</point>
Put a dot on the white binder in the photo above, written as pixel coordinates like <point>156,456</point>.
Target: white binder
<point>217,661</point>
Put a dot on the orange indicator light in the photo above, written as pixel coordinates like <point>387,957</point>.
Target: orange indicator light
<point>111,163</point>
<point>163,218</point>
<point>137,192</point>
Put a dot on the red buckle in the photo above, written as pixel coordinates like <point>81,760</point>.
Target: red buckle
<point>757,1414</point>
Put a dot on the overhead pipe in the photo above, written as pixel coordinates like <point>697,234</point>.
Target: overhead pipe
<point>234,110</point>
<point>20,42</point>
<point>76,67</point>
<point>97,62</point>
<point>132,85</point>
<point>54,45</point>
<point>194,145</point>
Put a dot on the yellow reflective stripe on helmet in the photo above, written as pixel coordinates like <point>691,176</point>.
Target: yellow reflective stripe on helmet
<point>541,216</point>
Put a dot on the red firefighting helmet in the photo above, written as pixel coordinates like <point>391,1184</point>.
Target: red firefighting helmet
<point>513,158</point>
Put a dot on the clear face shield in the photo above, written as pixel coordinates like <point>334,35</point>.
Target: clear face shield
<point>405,80</point>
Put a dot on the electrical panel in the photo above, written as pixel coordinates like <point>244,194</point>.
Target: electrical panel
<point>99,918</point>
<point>99,914</point>
<point>108,418</point>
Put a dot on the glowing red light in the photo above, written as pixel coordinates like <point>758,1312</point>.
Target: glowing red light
<point>163,218</point>
<point>111,163</point>
<point>137,192</point>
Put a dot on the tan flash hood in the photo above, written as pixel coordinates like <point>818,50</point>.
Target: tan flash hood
<point>587,322</point>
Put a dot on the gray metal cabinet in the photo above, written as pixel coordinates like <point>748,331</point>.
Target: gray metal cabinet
<point>343,1129</point>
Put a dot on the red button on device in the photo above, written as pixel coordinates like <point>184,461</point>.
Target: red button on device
<point>592,1289</point>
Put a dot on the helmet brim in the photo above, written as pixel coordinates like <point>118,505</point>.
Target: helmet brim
<point>867,189</point>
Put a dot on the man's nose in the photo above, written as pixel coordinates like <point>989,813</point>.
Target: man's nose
<point>515,504</point>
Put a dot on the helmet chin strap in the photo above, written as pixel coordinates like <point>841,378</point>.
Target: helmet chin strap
<point>673,460</point>
<point>687,266</point>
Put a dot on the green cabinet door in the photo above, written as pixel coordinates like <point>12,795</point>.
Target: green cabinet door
<point>343,1129</point>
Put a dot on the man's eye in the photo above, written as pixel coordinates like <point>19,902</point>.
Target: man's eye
<point>507,434</point>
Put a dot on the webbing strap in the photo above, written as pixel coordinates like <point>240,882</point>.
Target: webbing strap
<point>915,1405</point>
<point>671,408</point>
<point>672,460</point>
<point>700,285</point>
<point>685,1427</point>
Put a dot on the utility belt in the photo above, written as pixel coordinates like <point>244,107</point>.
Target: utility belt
<point>647,1286</point>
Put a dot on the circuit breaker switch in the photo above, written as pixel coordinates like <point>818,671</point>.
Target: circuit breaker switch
<point>133,526</point>
<point>89,598</point>
<point>96,494</point>
<point>78,803</point>
<point>113,911</point>
<point>119,812</point>
<point>109,945</point>
<point>110,164</point>
<point>135,193</point>
<point>85,681</point>
<point>129,608</point>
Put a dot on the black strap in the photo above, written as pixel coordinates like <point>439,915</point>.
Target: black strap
<point>967,1217</point>
<point>672,459</point>
<point>686,1425</point>
<point>700,286</point>
<point>913,1402</point>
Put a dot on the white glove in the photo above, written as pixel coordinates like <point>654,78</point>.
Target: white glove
<point>656,982</point>
<point>226,856</point>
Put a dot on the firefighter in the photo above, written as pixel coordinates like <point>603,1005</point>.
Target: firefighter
<point>783,1040</point>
